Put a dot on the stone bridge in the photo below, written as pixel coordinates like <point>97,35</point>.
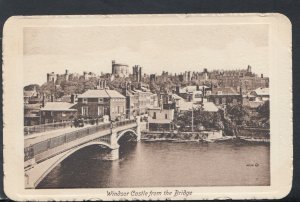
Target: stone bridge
<point>42,156</point>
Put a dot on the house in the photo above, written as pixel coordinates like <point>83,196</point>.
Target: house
<point>256,98</point>
<point>260,94</point>
<point>31,96</point>
<point>207,106</point>
<point>192,93</point>
<point>138,100</point>
<point>100,102</point>
<point>160,119</point>
<point>224,95</point>
<point>32,114</point>
<point>178,101</point>
<point>53,112</point>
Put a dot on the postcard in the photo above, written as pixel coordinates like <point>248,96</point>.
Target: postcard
<point>147,107</point>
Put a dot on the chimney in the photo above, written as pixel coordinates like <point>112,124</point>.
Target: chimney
<point>73,96</point>
<point>104,85</point>
<point>52,98</point>
<point>197,87</point>
<point>44,101</point>
<point>261,76</point>
<point>177,90</point>
<point>98,85</point>
<point>203,93</point>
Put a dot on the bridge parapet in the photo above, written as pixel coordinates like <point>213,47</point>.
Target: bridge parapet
<point>40,158</point>
<point>52,146</point>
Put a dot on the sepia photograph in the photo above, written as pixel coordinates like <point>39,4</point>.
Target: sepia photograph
<point>132,103</point>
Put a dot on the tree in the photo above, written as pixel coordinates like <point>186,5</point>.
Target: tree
<point>31,87</point>
<point>264,110</point>
<point>48,88</point>
<point>237,113</point>
<point>201,118</point>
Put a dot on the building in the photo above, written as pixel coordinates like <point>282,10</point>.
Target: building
<point>88,75</point>
<point>223,96</point>
<point>51,77</point>
<point>53,112</point>
<point>178,101</point>
<point>101,102</point>
<point>31,96</point>
<point>261,94</point>
<point>32,114</point>
<point>192,93</point>
<point>160,119</point>
<point>137,72</point>
<point>153,78</point>
<point>139,100</point>
<point>119,70</point>
<point>57,78</point>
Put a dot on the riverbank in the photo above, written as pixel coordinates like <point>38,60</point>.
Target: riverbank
<point>200,137</point>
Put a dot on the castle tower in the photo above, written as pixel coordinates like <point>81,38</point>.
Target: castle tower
<point>137,73</point>
<point>249,69</point>
<point>51,77</point>
<point>67,75</point>
<point>113,62</point>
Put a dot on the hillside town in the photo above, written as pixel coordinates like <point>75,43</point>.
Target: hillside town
<point>188,101</point>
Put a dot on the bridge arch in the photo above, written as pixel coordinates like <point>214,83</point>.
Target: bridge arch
<point>65,155</point>
<point>121,134</point>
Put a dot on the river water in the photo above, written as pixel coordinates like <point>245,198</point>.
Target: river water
<point>158,164</point>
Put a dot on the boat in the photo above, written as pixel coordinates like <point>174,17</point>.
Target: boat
<point>225,138</point>
<point>209,140</point>
<point>254,140</point>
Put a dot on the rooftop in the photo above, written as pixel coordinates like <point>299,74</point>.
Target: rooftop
<point>29,93</point>
<point>58,106</point>
<point>224,91</point>
<point>101,94</point>
<point>189,89</point>
<point>177,97</point>
<point>210,107</point>
<point>262,91</point>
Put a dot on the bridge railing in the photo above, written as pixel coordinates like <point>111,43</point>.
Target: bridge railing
<point>45,127</point>
<point>123,123</point>
<point>28,130</point>
<point>37,148</point>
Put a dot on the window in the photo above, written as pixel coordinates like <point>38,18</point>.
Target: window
<point>84,100</point>
<point>198,95</point>
<point>100,110</point>
<point>84,111</point>
<point>219,93</point>
<point>154,115</point>
<point>166,116</point>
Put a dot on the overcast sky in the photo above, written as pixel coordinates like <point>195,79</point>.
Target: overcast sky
<point>156,48</point>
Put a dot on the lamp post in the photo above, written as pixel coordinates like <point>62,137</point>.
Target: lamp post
<point>192,119</point>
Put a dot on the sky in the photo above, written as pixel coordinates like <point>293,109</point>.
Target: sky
<point>171,48</point>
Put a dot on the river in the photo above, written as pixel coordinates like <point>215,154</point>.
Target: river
<point>157,164</point>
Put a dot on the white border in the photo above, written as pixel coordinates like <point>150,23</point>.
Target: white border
<point>280,64</point>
